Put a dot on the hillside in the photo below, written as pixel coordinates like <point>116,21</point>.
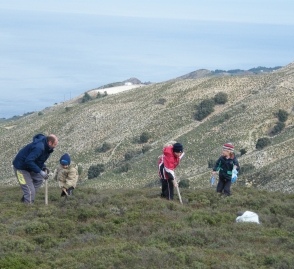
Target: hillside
<point>119,229</point>
<point>166,111</point>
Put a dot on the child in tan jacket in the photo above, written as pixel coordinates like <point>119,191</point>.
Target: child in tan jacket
<point>66,173</point>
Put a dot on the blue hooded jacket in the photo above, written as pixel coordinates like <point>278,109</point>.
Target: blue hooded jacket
<point>33,156</point>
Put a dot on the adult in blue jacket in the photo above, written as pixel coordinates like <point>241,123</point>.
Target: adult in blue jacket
<point>29,165</point>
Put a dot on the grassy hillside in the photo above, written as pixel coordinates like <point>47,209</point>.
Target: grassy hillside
<point>131,228</point>
<point>120,119</point>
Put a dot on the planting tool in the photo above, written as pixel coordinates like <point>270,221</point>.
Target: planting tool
<point>178,190</point>
<point>46,192</point>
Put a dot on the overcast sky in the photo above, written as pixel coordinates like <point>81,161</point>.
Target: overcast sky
<point>54,50</point>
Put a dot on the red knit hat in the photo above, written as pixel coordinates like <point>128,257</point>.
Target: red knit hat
<point>229,147</point>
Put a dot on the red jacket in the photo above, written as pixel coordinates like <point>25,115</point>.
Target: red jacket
<point>167,163</point>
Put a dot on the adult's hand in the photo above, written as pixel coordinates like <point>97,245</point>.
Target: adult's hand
<point>44,174</point>
<point>46,170</point>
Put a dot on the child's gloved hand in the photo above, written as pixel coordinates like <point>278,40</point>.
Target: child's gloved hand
<point>234,175</point>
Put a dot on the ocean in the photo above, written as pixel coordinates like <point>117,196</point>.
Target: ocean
<point>47,58</point>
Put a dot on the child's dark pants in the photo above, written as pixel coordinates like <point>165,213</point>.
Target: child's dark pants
<point>224,185</point>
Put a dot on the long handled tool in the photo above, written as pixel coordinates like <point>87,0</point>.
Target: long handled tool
<point>178,190</point>
<point>46,186</point>
<point>180,198</point>
<point>46,192</point>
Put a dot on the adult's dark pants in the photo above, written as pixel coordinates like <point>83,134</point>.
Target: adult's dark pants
<point>224,185</point>
<point>167,188</point>
<point>29,182</point>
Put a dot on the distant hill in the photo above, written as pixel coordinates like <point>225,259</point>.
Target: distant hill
<point>166,111</point>
<point>133,81</point>
<point>195,74</point>
<point>205,73</point>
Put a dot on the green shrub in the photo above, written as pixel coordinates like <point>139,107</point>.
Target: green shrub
<point>278,127</point>
<point>80,170</point>
<point>144,137</point>
<point>3,229</point>
<point>205,108</point>
<point>161,101</point>
<point>86,98</point>
<point>16,244</point>
<point>46,211</point>
<point>211,163</point>
<point>221,98</point>
<point>46,241</point>
<point>40,113</point>
<point>262,143</point>
<point>68,108</point>
<point>68,227</point>
<point>243,151</point>
<point>282,115</point>
<point>146,148</point>
<point>129,154</point>
<point>125,167</point>
<point>85,213</point>
<point>185,183</point>
<point>246,168</point>
<point>17,261</point>
<point>36,227</point>
<point>104,148</point>
<point>95,170</point>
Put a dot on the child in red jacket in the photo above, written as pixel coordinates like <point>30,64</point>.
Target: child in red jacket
<point>167,163</point>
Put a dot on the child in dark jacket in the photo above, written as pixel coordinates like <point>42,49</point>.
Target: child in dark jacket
<point>225,164</point>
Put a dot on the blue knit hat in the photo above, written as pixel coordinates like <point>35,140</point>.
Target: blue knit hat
<point>65,159</point>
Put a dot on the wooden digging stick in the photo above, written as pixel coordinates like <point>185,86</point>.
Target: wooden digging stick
<point>46,192</point>
<point>178,190</point>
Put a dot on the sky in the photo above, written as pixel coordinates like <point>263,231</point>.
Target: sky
<point>52,51</point>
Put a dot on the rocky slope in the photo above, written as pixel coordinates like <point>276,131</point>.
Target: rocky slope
<point>120,119</point>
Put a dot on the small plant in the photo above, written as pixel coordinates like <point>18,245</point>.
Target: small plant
<point>146,148</point>
<point>185,183</point>
<point>36,227</point>
<point>125,168</point>
<point>282,115</point>
<point>99,95</point>
<point>86,98</point>
<point>129,155</point>
<point>262,143</point>
<point>278,127</point>
<point>211,163</point>
<point>68,108</point>
<point>161,101</point>
<point>80,170</point>
<point>144,137</point>
<point>95,170</point>
<point>40,113</point>
<point>243,151</point>
<point>105,147</point>
<point>246,168</point>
